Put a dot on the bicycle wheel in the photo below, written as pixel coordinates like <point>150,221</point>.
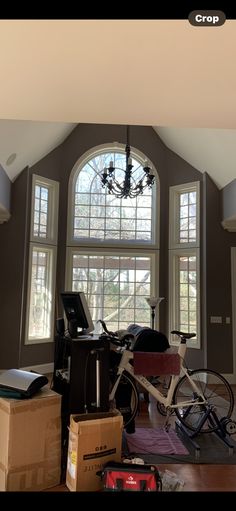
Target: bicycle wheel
<point>216,391</point>
<point>126,399</point>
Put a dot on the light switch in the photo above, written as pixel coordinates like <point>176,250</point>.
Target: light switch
<point>216,319</point>
<point>227,320</point>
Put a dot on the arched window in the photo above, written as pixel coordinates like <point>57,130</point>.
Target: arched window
<point>112,242</point>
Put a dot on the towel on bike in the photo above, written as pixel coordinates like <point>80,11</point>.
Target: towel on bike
<point>147,339</point>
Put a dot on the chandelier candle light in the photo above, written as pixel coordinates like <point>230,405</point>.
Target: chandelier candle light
<point>127,187</point>
<point>153,302</point>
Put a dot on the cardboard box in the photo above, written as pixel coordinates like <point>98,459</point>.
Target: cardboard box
<point>30,442</point>
<point>154,363</point>
<point>94,439</point>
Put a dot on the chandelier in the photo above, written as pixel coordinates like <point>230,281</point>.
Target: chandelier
<point>127,187</point>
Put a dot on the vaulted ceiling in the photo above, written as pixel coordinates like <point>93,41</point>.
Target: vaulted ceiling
<point>167,74</point>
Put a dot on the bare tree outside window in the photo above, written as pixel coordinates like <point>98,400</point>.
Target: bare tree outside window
<point>116,282</point>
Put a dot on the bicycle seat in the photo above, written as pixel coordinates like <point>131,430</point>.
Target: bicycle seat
<point>183,334</point>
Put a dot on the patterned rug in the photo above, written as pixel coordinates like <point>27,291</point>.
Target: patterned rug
<point>178,448</point>
<point>155,441</point>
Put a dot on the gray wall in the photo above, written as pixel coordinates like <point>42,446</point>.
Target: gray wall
<point>228,194</point>
<point>14,240</point>
<point>215,243</point>
<point>12,254</point>
<point>218,243</point>
<point>179,171</point>
<point>5,189</point>
<point>39,353</point>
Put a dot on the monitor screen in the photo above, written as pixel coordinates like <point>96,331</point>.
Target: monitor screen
<point>77,313</point>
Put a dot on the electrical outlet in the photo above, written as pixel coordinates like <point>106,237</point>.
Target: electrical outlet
<point>227,320</point>
<point>216,319</point>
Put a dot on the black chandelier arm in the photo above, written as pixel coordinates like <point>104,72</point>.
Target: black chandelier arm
<point>117,189</point>
<point>150,180</point>
<point>128,187</point>
<point>147,169</point>
<point>104,178</point>
<point>122,192</point>
<point>115,186</point>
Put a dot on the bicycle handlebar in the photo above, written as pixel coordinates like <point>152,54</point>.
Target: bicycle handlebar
<point>125,341</point>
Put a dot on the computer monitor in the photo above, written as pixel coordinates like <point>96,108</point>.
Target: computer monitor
<point>77,313</point>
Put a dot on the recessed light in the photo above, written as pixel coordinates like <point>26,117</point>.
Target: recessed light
<point>11,158</point>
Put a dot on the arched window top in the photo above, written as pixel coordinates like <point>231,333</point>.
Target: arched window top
<point>97,215</point>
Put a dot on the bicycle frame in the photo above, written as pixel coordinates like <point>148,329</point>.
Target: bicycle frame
<point>125,365</point>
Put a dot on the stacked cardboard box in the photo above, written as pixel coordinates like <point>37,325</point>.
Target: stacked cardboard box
<point>30,442</point>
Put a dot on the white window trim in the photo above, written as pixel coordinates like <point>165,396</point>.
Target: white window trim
<point>173,293</point>
<point>91,153</point>
<point>53,202</point>
<point>52,276</point>
<point>154,256</point>
<point>48,244</point>
<point>175,192</point>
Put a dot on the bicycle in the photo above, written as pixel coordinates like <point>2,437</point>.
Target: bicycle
<point>192,394</point>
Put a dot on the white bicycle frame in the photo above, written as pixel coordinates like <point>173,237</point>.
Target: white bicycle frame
<point>125,365</point>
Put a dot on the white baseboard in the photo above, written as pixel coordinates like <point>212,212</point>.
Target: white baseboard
<point>41,368</point>
<point>230,378</point>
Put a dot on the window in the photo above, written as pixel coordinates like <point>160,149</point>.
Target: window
<point>95,214</point>
<point>184,260</point>
<point>42,261</point>
<point>44,210</point>
<point>112,243</point>
<point>41,303</point>
<point>40,222</point>
<point>116,287</point>
<point>184,215</point>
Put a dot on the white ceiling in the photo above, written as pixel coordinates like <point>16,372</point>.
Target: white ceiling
<point>208,150</point>
<point>162,73</point>
<point>30,141</point>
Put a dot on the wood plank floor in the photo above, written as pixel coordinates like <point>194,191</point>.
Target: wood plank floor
<point>197,477</point>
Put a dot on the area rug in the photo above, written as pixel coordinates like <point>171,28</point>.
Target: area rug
<point>212,450</point>
<point>155,441</point>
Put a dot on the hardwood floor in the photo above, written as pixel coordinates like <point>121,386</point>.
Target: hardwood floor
<point>197,477</point>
